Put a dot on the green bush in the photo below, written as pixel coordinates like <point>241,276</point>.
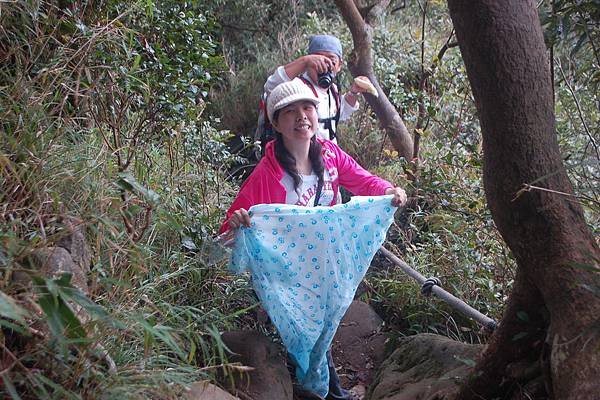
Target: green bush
<point>120,115</point>
<point>103,119</point>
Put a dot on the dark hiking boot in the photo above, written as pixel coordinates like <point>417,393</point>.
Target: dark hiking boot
<point>303,394</point>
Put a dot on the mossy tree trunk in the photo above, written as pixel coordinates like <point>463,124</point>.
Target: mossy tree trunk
<point>551,311</point>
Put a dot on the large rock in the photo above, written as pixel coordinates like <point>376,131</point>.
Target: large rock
<point>204,390</point>
<point>358,347</point>
<point>71,254</point>
<point>55,261</point>
<point>74,242</point>
<point>270,378</point>
<point>424,367</point>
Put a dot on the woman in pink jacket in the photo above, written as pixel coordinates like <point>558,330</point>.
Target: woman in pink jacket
<point>300,169</point>
<point>297,167</point>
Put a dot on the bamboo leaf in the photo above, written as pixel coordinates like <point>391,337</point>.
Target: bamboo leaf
<point>11,310</point>
<point>10,387</point>
<point>592,288</point>
<point>128,182</point>
<point>136,62</point>
<point>522,315</point>
<point>586,267</point>
<point>163,333</point>
<point>60,318</point>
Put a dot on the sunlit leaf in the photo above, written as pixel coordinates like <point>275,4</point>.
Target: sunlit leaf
<point>466,361</point>
<point>11,310</point>
<point>163,333</point>
<point>523,316</point>
<point>128,182</point>
<point>63,323</point>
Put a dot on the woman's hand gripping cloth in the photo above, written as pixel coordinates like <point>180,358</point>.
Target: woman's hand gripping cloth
<point>306,264</point>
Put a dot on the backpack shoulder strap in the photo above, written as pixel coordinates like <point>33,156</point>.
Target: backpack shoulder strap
<point>264,129</point>
<point>338,101</point>
<point>309,84</point>
<point>318,194</point>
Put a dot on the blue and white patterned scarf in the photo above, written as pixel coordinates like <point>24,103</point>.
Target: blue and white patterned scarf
<point>306,264</point>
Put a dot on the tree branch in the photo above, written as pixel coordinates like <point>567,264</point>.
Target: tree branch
<point>398,8</point>
<point>360,63</point>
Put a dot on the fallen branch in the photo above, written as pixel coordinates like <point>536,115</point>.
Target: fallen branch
<point>454,302</point>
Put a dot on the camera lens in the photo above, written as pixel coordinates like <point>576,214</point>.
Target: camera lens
<point>325,79</point>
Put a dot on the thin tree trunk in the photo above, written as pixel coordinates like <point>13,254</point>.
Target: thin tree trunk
<point>361,63</point>
<point>550,308</point>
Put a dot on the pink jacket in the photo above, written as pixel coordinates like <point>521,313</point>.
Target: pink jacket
<point>264,186</point>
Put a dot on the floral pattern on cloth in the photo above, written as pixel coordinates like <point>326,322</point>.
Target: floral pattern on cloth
<point>306,264</point>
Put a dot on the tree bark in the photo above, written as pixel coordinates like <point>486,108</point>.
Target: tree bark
<point>549,309</point>
<point>361,63</point>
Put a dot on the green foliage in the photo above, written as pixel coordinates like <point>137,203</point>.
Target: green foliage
<point>10,310</point>
<point>53,295</point>
<point>253,28</point>
<point>571,29</point>
<point>103,120</point>
<point>572,23</point>
<point>119,114</point>
<point>171,57</point>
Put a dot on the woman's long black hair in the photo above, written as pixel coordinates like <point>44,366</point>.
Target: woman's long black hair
<point>288,162</point>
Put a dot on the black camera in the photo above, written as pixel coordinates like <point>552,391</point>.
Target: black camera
<point>325,79</point>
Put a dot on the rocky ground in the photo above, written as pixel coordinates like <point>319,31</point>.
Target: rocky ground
<point>424,366</point>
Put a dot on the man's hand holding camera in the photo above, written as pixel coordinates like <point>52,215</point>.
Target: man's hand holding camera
<point>318,64</point>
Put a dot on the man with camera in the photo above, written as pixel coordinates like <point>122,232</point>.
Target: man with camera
<point>318,70</point>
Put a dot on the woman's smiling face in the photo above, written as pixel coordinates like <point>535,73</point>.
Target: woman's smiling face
<point>297,121</point>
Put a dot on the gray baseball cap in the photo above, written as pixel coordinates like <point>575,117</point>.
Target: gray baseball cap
<point>326,43</point>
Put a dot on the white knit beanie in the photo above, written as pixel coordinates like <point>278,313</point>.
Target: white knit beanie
<point>288,93</point>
